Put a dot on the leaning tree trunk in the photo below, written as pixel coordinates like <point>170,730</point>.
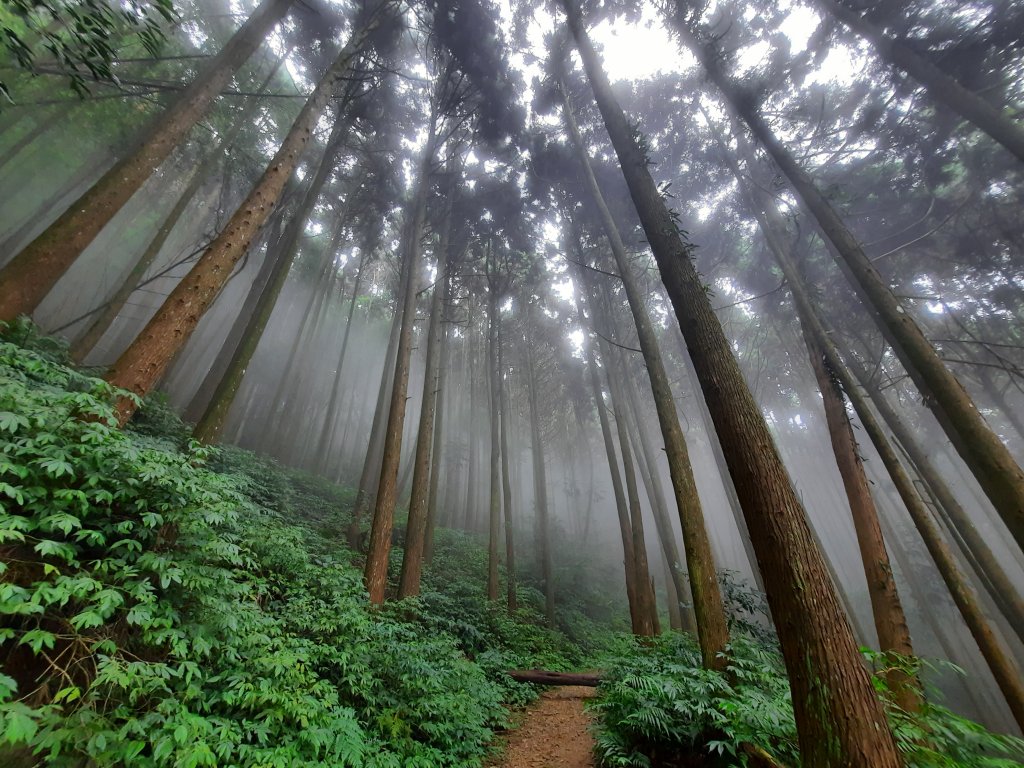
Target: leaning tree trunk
<point>1003,591</point>
<point>712,629</point>
<point>940,87</point>
<point>376,571</point>
<point>993,651</point>
<point>839,717</point>
<point>26,280</point>
<point>90,337</point>
<point>211,423</point>
<point>437,451</point>
<point>142,364</point>
<point>886,608</point>
<point>617,490</point>
<point>369,477</point>
<point>981,449</point>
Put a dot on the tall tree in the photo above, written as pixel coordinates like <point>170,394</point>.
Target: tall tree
<point>27,278</point>
<point>142,364</point>
<point>981,449</point>
<point>940,86</point>
<point>839,717</point>
<point>712,630</point>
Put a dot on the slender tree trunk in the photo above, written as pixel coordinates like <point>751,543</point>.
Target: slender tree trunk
<point>981,449</point>
<point>141,365</point>
<point>471,497</point>
<point>511,597</point>
<point>540,485</point>
<point>494,506</point>
<point>376,571</point>
<point>370,475</point>
<point>416,528</point>
<point>839,717</point>
<point>940,86</point>
<point>712,629</point>
<point>437,452</point>
<point>56,201</point>
<point>26,280</point>
<point>720,464</point>
<point>646,607</point>
<point>620,496</point>
<point>87,341</point>
<point>1002,589</point>
<point>992,649</point>
<point>35,133</point>
<point>256,316</point>
<point>886,607</point>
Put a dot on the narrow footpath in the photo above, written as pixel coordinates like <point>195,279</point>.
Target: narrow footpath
<point>553,734</point>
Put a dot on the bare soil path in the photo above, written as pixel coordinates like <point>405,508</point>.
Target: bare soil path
<point>553,734</point>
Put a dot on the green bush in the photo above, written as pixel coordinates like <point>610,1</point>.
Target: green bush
<point>156,612</point>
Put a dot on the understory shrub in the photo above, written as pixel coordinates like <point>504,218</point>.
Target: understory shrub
<point>155,612</point>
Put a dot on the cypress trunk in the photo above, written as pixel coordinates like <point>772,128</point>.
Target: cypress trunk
<point>981,449</point>
<point>26,280</point>
<point>142,364</point>
<point>839,717</point>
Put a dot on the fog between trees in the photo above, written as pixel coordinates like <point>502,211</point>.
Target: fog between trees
<point>446,254</point>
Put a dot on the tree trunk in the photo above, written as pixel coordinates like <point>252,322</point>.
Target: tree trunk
<point>839,718</point>
<point>26,280</point>
<point>886,607</point>
<point>376,571</point>
<point>211,423</point>
<point>511,597</point>
<point>416,528</point>
<point>367,493</point>
<point>494,507</point>
<point>540,484</point>
<point>1003,591</point>
<point>712,630</point>
<point>437,451</point>
<point>620,496</point>
<point>981,449</point>
<point>940,86</point>
<point>141,365</point>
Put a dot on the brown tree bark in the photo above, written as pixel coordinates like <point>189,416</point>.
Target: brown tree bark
<point>886,607</point>
<point>142,364</point>
<point>437,451</point>
<point>981,449</point>
<point>636,621</point>
<point>26,280</point>
<point>1002,589</point>
<point>416,528</point>
<point>511,597</point>
<point>494,506</point>
<point>940,87</point>
<point>369,477</point>
<point>540,483</point>
<point>211,423</point>
<point>712,629</point>
<point>839,718</point>
<point>376,571</point>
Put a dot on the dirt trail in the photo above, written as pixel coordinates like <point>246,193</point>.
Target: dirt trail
<point>553,733</point>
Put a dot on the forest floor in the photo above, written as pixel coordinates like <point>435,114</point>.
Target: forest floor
<point>554,733</point>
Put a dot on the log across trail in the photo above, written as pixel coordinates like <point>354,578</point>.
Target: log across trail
<point>554,732</point>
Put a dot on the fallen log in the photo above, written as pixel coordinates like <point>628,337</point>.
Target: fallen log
<point>546,677</point>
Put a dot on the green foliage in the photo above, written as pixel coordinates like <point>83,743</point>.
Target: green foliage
<point>658,704</point>
<point>156,612</point>
<point>80,35</point>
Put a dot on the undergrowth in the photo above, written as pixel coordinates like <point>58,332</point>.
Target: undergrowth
<point>165,604</point>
